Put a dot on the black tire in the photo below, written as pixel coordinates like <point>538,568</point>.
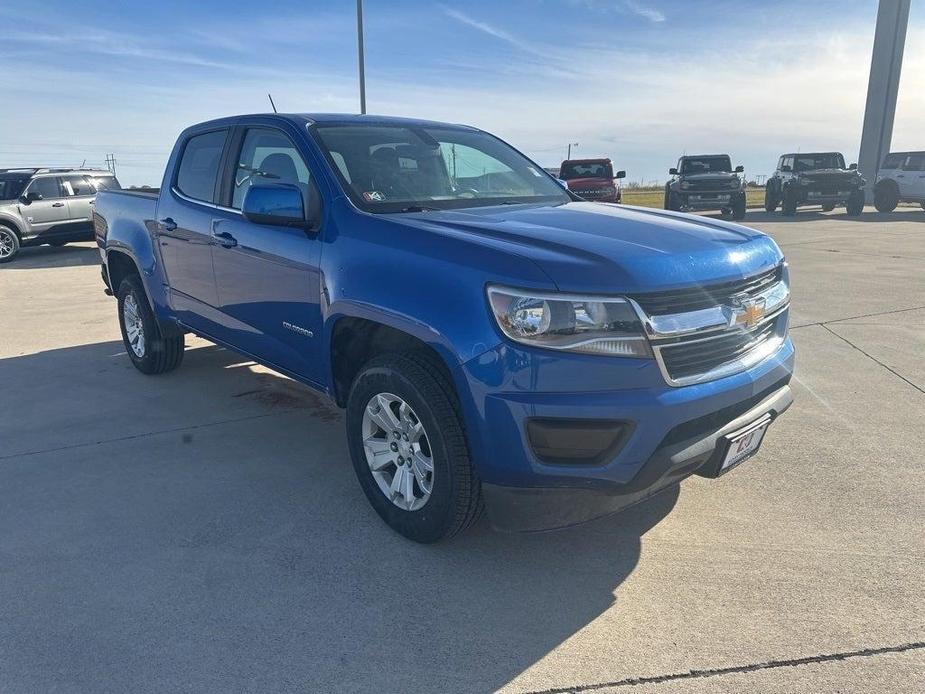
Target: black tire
<point>667,198</point>
<point>855,204</point>
<point>674,202</point>
<point>160,354</point>
<point>789,204</point>
<point>771,199</point>
<point>886,197</point>
<point>828,207</point>
<point>738,208</point>
<point>455,501</point>
<point>9,244</point>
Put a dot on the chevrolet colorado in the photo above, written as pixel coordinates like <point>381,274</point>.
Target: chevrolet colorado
<point>497,343</point>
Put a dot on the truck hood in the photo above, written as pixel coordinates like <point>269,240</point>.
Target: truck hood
<point>599,248</point>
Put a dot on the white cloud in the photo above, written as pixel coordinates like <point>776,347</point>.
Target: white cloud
<point>490,30</point>
<point>647,11</point>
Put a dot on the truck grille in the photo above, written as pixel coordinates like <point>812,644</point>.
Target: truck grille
<point>703,333</point>
<point>694,299</point>
<point>686,359</point>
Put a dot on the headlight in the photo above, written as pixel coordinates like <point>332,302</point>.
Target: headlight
<point>685,185</point>
<point>592,325</point>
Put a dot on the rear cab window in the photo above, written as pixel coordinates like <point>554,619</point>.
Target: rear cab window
<point>197,172</point>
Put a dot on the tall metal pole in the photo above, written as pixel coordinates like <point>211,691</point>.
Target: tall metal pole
<point>360,56</point>
<point>883,87</point>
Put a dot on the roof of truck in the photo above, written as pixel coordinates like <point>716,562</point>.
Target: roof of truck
<point>340,118</point>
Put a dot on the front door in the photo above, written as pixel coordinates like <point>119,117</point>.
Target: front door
<point>268,277</point>
<point>46,215</point>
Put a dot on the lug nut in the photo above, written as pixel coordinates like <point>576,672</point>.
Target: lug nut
<point>393,446</point>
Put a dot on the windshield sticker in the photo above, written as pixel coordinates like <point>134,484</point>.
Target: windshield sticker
<point>373,196</point>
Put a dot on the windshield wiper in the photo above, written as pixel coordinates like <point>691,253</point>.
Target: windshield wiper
<point>419,208</point>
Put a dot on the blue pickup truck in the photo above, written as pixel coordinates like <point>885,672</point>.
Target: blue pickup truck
<point>497,342</point>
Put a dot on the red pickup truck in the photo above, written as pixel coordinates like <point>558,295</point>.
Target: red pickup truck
<point>592,179</point>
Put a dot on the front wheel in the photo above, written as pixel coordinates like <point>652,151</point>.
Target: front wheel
<point>149,350</point>
<point>9,244</point>
<point>789,204</point>
<point>886,197</point>
<point>409,449</point>
<point>738,208</point>
<point>673,202</point>
<point>855,204</point>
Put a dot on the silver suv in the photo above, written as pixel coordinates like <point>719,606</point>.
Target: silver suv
<point>900,179</point>
<point>53,206</point>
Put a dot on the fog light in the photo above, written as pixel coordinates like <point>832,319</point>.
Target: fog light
<point>577,441</point>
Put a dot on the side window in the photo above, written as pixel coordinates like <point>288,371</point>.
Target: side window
<point>268,156</point>
<point>75,186</point>
<point>46,186</point>
<point>893,161</point>
<point>199,164</point>
<point>105,183</point>
<point>915,162</point>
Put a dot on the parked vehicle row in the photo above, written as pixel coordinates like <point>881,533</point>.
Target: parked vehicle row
<point>48,206</point>
<point>497,342</point>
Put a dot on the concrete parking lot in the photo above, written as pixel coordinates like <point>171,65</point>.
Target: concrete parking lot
<point>203,531</point>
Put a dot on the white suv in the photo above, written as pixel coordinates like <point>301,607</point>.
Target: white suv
<point>900,179</point>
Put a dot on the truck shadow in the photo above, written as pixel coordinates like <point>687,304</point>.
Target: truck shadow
<point>45,257</point>
<point>211,516</point>
<point>903,214</point>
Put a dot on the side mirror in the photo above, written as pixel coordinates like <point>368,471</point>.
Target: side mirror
<point>786,168</point>
<point>620,174</point>
<point>32,196</point>
<point>275,205</point>
<point>853,167</point>
<point>739,169</point>
<point>673,171</point>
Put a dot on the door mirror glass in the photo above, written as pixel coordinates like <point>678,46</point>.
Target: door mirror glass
<point>279,205</point>
<point>673,171</point>
<point>786,168</point>
<point>740,169</point>
<point>853,167</point>
<point>620,174</point>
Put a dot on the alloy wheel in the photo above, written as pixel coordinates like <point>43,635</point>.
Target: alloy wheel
<point>398,451</point>
<point>134,328</point>
<point>7,243</point>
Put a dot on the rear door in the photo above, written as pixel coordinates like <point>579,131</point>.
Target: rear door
<point>183,231</point>
<point>912,184</point>
<point>45,217</point>
<point>268,277</point>
<point>80,196</point>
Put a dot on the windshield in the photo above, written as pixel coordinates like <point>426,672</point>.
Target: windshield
<point>11,185</point>
<point>699,165</point>
<point>574,169</point>
<point>808,162</point>
<point>398,168</point>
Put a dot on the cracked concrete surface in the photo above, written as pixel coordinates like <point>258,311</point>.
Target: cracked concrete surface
<point>203,531</point>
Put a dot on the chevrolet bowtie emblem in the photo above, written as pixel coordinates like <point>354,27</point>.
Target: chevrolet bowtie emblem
<point>748,311</point>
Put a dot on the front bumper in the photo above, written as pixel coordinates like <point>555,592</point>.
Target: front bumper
<point>709,200</point>
<point>674,429</point>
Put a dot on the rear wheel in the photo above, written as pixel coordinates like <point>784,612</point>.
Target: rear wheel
<point>149,350</point>
<point>855,204</point>
<point>409,449</point>
<point>886,197</point>
<point>9,244</point>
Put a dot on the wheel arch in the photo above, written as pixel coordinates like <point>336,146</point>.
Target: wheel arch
<point>13,225</point>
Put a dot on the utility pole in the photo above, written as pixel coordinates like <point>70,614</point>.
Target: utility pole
<point>111,163</point>
<point>361,59</point>
<point>570,145</point>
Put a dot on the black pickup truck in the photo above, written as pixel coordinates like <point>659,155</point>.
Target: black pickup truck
<point>706,182</point>
<point>815,178</point>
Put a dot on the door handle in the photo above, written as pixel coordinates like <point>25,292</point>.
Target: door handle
<point>57,204</point>
<point>168,224</point>
<point>225,239</point>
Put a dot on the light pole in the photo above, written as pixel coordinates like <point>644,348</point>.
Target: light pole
<point>360,56</point>
<point>570,145</point>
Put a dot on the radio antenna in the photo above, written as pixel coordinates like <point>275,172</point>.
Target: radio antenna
<point>271,103</point>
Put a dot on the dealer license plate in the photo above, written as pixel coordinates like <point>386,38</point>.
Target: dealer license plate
<point>744,445</point>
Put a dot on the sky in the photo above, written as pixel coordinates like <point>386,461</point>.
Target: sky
<point>640,81</point>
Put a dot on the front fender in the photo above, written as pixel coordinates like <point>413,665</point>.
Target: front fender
<point>14,223</point>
